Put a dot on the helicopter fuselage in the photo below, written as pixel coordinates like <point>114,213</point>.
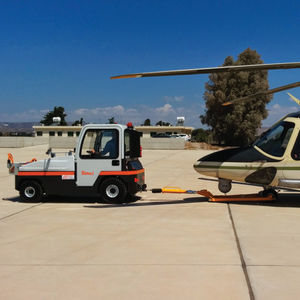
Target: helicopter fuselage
<point>272,161</point>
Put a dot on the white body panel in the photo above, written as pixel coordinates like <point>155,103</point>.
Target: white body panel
<point>60,163</point>
<point>88,170</point>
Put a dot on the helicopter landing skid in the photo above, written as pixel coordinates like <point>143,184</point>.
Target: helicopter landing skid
<point>212,198</point>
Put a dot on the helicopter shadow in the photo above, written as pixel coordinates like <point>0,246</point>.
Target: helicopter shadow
<point>284,200</point>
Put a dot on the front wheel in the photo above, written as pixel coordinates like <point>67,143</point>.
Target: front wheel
<point>31,191</point>
<point>113,191</point>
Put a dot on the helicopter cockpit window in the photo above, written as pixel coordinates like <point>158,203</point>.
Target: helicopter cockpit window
<point>276,139</point>
<point>296,149</point>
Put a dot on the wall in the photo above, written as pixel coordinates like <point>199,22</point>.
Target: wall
<point>163,143</point>
<point>21,141</point>
<point>63,142</point>
<point>71,142</point>
<point>146,143</point>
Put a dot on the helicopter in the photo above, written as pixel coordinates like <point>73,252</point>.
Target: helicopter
<point>272,161</point>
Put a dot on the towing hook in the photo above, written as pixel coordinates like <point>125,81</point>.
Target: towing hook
<point>156,191</point>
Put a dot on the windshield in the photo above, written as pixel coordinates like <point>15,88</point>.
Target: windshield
<point>275,140</point>
<point>100,143</point>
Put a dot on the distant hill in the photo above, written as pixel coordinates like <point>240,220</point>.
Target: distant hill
<point>16,126</point>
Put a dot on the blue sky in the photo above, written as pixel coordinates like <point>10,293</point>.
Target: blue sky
<point>62,53</point>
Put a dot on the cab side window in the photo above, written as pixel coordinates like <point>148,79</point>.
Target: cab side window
<point>100,144</point>
<point>296,149</point>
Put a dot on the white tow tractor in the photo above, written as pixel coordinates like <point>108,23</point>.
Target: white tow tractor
<point>105,164</point>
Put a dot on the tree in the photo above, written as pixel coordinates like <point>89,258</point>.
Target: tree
<point>161,123</point>
<point>236,124</point>
<point>78,122</point>
<point>147,122</point>
<point>58,111</point>
<point>200,135</point>
<point>111,120</point>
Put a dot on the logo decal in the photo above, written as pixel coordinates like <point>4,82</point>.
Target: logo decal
<point>87,173</point>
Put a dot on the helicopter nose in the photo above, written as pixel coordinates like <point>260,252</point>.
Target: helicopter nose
<point>206,168</point>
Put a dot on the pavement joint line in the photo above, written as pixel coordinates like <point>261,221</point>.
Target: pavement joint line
<point>145,264</point>
<point>116,265</point>
<point>243,263</point>
<point>276,266</point>
<point>20,211</point>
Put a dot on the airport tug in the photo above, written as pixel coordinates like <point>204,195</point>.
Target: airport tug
<point>105,164</point>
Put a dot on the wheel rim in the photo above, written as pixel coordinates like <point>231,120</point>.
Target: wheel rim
<point>29,192</point>
<point>112,191</point>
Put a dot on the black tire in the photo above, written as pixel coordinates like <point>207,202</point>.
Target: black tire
<point>113,191</point>
<point>31,191</point>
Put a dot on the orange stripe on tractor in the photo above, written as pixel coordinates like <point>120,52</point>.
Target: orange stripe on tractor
<point>103,173</point>
<point>45,173</point>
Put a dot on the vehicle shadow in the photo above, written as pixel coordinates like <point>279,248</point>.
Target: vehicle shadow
<point>65,199</point>
<point>284,200</point>
<point>150,203</point>
<point>55,199</point>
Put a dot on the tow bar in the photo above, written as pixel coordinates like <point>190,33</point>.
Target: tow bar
<point>212,198</point>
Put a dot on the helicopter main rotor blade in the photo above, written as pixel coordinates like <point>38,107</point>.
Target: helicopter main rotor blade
<point>294,98</point>
<point>276,66</point>
<point>267,92</point>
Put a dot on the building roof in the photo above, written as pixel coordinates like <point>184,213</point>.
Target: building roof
<point>138,128</point>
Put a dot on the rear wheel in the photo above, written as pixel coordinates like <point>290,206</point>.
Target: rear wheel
<point>31,191</point>
<point>113,191</point>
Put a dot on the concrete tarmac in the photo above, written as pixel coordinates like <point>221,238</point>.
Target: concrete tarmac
<point>164,246</point>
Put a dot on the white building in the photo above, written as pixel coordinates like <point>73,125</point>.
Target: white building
<point>73,131</point>
<point>66,136</point>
